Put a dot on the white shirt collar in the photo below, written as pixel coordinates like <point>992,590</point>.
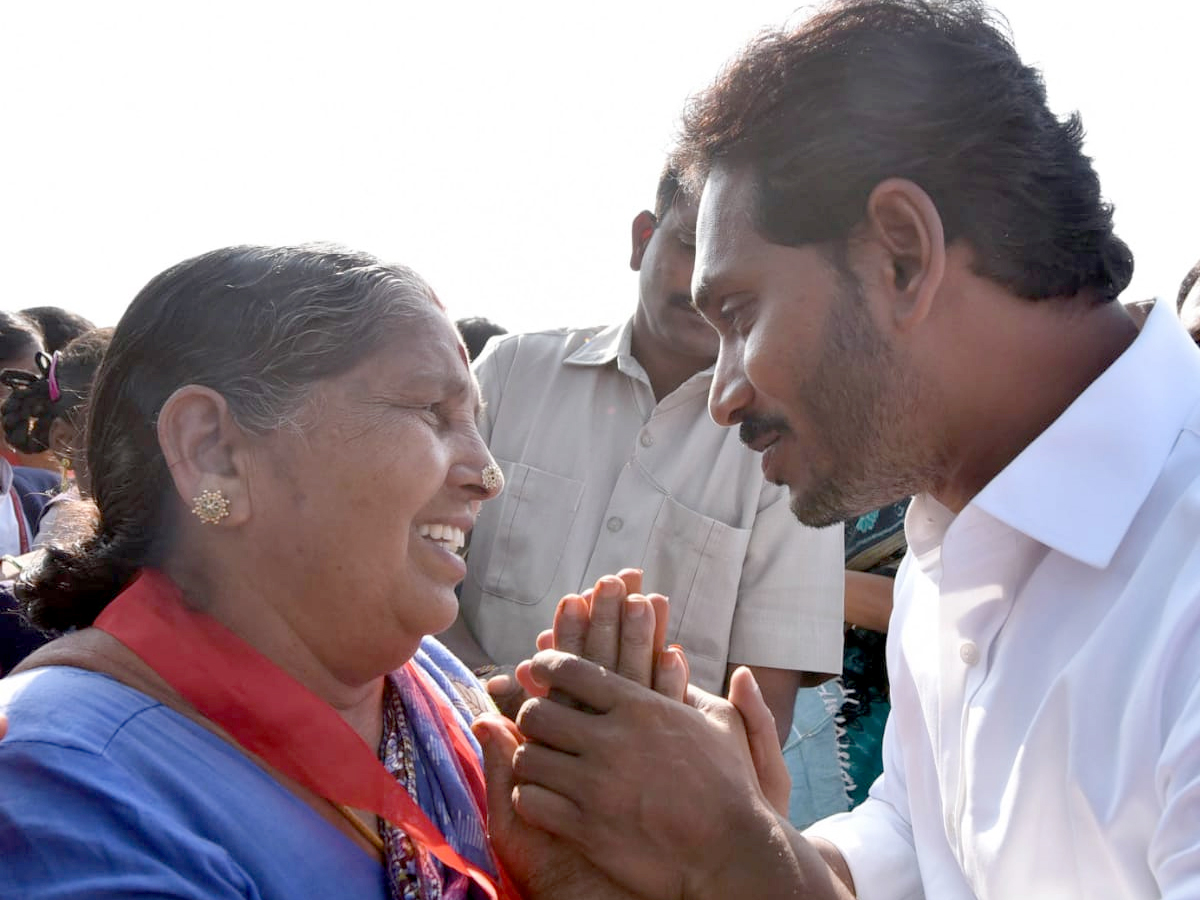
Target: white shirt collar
<point>1077,487</point>
<point>613,342</point>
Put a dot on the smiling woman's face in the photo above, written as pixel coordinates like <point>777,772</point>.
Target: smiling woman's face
<point>363,509</point>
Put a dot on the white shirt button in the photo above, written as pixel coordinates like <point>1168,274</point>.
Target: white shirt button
<point>647,439</point>
<point>615,524</point>
<point>968,652</point>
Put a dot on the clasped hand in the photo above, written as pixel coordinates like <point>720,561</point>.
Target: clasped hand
<point>616,759</point>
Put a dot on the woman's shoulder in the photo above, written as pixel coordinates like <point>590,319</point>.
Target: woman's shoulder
<point>108,788</point>
<point>69,707</point>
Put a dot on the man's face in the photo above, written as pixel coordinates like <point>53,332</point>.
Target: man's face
<point>664,261</point>
<point>803,368</point>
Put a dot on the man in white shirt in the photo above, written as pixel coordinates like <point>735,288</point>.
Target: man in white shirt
<point>914,277</point>
<point>610,460</point>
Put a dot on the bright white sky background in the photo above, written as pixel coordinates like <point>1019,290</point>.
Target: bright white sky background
<point>501,149</point>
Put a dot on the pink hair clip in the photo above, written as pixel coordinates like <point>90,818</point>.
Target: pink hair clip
<point>52,378</point>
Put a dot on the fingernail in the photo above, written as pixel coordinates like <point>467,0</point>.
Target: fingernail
<point>637,609</point>
<point>574,604</point>
<point>608,587</point>
<point>499,684</point>
<point>668,661</point>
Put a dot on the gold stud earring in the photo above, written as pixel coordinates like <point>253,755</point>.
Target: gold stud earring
<point>492,478</point>
<point>211,507</point>
<point>64,465</point>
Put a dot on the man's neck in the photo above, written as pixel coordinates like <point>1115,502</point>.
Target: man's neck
<point>666,368</point>
<point>1006,410</point>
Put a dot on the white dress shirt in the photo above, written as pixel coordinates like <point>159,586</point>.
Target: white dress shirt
<point>598,476</point>
<point>1044,739</point>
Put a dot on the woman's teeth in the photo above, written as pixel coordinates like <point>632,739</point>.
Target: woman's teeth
<point>449,536</point>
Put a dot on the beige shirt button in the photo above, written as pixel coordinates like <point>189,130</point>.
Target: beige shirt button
<point>968,652</point>
<point>615,524</point>
<point>647,439</point>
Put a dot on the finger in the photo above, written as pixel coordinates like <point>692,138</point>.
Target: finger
<point>662,616</point>
<point>555,725</point>
<point>548,811</point>
<point>632,579</point>
<point>501,685</point>
<point>583,681</point>
<point>570,624</point>
<point>765,753</point>
<point>499,741</point>
<point>670,675</point>
<point>545,639</point>
<point>602,643</point>
<point>556,771</point>
<point>506,693</point>
<point>635,660</point>
<point>687,666</point>
<point>525,679</point>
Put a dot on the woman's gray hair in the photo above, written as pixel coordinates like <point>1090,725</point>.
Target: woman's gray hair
<point>262,326</point>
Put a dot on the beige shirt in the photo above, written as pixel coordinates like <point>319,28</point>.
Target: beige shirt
<point>598,477</point>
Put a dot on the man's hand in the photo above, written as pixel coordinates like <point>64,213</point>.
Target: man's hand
<point>763,738</point>
<point>544,866</point>
<point>609,781</point>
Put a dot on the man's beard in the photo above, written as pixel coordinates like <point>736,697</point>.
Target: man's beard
<point>861,402</point>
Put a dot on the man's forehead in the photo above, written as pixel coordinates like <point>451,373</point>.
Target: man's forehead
<point>727,202</point>
<point>725,220</point>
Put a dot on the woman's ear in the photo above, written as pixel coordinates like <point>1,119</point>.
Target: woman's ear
<point>903,220</point>
<point>207,453</point>
<point>62,439</point>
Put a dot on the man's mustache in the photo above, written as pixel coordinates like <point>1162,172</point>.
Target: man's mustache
<point>754,427</point>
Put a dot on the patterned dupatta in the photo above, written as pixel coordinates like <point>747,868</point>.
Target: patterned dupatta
<point>418,752</point>
<point>434,761</point>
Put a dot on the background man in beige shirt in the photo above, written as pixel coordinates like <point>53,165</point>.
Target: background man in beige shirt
<point>611,460</point>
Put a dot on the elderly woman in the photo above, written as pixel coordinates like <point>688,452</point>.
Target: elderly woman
<point>284,464</point>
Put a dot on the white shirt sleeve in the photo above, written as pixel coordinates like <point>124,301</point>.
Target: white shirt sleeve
<point>876,839</point>
<point>790,593</point>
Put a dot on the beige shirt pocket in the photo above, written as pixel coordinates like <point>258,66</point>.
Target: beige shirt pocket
<point>537,510</point>
<point>706,555</point>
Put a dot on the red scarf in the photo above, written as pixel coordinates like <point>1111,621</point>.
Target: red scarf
<point>271,715</point>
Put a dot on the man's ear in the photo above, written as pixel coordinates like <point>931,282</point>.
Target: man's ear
<point>644,224</point>
<point>205,449</point>
<point>903,220</point>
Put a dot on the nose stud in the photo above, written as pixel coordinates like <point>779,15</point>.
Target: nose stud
<point>492,479</point>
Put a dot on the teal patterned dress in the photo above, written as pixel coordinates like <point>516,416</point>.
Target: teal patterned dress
<point>874,543</point>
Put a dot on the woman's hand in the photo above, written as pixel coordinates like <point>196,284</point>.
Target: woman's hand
<point>614,625</point>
